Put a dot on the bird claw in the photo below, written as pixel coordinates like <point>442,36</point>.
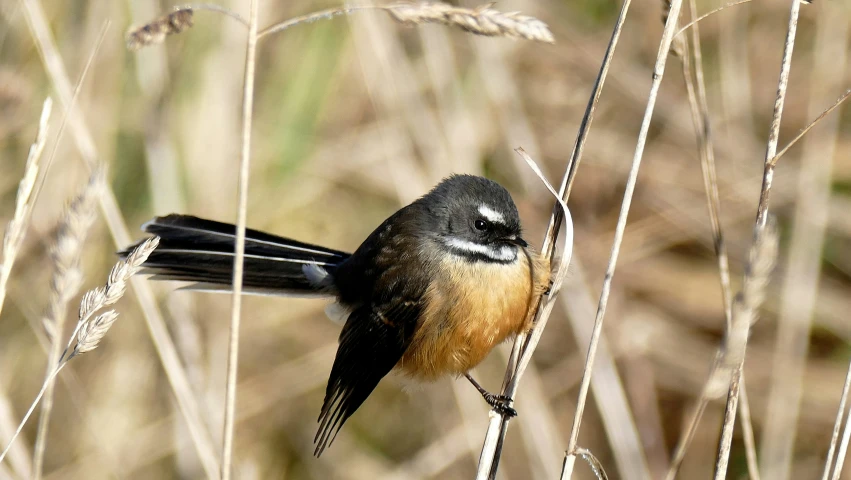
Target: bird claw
<point>501,404</point>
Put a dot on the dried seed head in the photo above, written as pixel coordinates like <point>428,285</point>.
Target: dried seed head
<point>89,332</point>
<point>65,253</point>
<point>155,31</point>
<point>92,332</point>
<point>480,21</point>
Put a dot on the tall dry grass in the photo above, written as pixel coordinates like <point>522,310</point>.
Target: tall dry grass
<point>356,115</point>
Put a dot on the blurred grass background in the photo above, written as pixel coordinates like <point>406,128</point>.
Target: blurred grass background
<point>357,116</point>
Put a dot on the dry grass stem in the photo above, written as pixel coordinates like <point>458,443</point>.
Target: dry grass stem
<point>812,124</point>
<point>89,332</point>
<point>498,425</point>
<point>242,218</point>
<point>492,447</point>
<point>313,17</point>
<point>658,74</point>
<point>187,403</point>
<point>809,230</point>
<point>779,102</point>
<point>67,278</point>
<point>480,21</point>
<point>843,449</point>
<point>593,462</point>
<point>697,20</point>
<point>696,87</point>
<point>840,412</point>
<point>155,31</point>
<point>762,258</point>
<point>17,227</point>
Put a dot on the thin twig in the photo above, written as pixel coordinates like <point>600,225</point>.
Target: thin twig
<point>72,232</point>
<point>71,235</point>
<point>166,351</point>
<point>761,221</point>
<point>497,426</point>
<point>779,102</point>
<point>707,14</point>
<point>489,458</point>
<point>658,73</point>
<point>812,124</point>
<point>17,227</point>
<point>312,17</point>
<point>843,449</point>
<point>241,220</point>
<point>593,462</point>
<point>696,88</point>
<point>809,226</point>
<point>212,7</point>
<point>840,412</point>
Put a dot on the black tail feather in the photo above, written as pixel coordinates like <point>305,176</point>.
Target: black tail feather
<point>196,250</point>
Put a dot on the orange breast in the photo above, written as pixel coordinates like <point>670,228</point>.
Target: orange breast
<point>476,307</point>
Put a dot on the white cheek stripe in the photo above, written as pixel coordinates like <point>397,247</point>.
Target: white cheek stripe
<point>491,214</point>
<point>503,253</point>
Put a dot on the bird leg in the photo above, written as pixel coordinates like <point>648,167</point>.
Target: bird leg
<point>500,403</point>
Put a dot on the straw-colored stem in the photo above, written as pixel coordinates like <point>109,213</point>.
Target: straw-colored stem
<point>66,279</point>
<point>498,425</point>
<point>188,405</point>
<point>761,220</point>
<point>658,73</point>
<point>812,124</point>
<point>16,229</point>
<point>76,223</point>
<point>843,449</point>
<point>312,17</point>
<point>32,408</point>
<point>809,226</point>
<point>697,20</point>
<point>834,437</point>
<point>696,88</point>
<point>779,102</point>
<point>241,220</point>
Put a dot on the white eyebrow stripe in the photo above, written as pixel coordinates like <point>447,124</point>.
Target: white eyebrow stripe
<point>503,253</point>
<point>491,214</point>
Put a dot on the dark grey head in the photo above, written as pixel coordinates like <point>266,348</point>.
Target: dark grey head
<point>475,218</point>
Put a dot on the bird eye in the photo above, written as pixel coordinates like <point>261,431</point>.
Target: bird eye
<point>481,225</point>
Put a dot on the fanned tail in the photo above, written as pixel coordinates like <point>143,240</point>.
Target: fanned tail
<point>196,250</point>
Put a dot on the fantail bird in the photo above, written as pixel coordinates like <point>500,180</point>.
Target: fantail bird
<point>430,292</point>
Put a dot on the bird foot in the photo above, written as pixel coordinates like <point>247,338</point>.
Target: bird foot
<point>501,404</point>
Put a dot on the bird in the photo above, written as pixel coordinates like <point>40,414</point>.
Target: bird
<point>429,293</point>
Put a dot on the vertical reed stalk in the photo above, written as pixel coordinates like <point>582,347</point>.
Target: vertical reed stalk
<point>658,74</point>
<point>761,221</point>
<point>242,215</point>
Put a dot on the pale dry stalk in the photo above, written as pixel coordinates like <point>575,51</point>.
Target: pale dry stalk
<point>696,90</point>
<point>239,254</point>
<point>762,257</point>
<point>801,280</point>
<point>17,227</point>
<point>840,412</point>
<point>90,331</point>
<point>67,278</point>
<point>498,425</point>
<point>188,404</point>
<point>658,74</point>
<point>723,453</point>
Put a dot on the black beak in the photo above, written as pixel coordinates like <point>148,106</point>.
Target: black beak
<point>517,241</point>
